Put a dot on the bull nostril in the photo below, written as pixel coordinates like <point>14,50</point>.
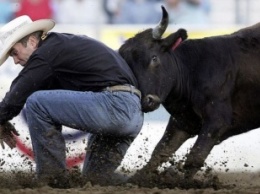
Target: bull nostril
<point>149,99</point>
<point>150,103</point>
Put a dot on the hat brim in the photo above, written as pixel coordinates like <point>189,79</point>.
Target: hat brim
<point>44,25</point>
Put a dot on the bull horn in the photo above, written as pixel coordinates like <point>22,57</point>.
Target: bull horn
<point>161,27</point>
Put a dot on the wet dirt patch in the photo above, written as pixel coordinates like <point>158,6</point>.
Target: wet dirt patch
<point>239,182</point>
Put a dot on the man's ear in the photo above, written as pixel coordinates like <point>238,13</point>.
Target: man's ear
<point>33,41</point>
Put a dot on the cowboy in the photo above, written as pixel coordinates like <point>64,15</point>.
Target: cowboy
<point>74,81</point>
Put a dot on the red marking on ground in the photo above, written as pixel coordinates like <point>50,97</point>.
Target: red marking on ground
<point>70,162</point>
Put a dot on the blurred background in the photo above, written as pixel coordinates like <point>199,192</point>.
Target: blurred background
<point>113,21</point>
<point>206,12</point>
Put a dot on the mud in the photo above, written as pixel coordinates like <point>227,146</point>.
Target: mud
<point>168,182</point>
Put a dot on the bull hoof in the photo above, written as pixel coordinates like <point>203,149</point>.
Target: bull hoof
<point>145,178</point>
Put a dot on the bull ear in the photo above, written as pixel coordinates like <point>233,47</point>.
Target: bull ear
<point>173,40</point>
<point>161,27</point>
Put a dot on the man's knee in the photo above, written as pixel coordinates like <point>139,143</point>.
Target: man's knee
<point>31,100</point>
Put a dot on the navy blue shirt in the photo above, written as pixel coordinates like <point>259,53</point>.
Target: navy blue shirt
<point>66,61</point>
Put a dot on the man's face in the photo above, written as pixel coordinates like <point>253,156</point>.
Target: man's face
<point>22,53</point>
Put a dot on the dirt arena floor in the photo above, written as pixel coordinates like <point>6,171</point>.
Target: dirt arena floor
<point>218,183</point>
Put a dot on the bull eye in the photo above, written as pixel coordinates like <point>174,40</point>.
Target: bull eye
<point>154,58</point>
<point>155,62</point>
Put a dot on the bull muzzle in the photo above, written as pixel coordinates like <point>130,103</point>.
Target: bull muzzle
<point>150,103</point>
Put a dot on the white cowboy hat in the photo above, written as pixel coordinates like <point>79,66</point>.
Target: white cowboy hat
<point>17,29</point>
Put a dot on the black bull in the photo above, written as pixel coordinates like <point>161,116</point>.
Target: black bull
<point>210,87</point>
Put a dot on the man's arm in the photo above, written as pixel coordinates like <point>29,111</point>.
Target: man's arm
<point>35,76</point>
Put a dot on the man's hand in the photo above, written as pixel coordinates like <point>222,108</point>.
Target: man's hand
<point>7,135</point>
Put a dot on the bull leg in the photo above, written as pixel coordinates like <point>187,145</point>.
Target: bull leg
<point>198,154</point>
<point>213,129</point>
<point>172,139</point>
<point>170,142</point>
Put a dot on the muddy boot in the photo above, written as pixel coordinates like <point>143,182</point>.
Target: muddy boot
<point>103,157</point>
<point>60,180</point>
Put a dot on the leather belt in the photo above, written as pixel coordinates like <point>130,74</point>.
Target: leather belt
<point>124,88</point>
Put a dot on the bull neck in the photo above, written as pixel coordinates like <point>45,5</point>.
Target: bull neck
<point>181,76</point>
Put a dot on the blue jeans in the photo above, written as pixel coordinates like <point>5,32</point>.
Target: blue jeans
<point>113,118</point>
